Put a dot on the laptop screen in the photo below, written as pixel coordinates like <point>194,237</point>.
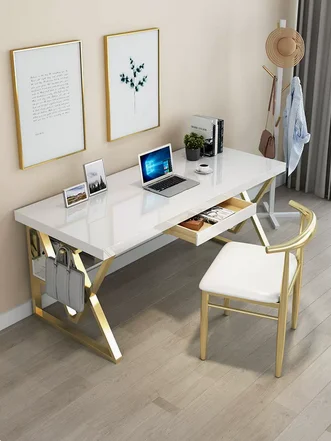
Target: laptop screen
<point>156,164</point>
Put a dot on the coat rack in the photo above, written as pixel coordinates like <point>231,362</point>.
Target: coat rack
<point>270,206</point>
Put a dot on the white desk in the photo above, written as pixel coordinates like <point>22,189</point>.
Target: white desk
<point>126,216</point>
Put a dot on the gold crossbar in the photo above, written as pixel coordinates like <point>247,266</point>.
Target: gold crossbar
<point>240,299</point>
<point>221,239</point>
<point>243,311</point>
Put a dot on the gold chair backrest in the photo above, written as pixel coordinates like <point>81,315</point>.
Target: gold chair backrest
<point>307,230</point>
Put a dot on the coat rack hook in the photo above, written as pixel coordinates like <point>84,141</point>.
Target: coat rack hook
<point>274,76</point>
<point>286,87</point>
<point>269,72</point>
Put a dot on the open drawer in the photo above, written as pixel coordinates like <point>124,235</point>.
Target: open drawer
<point>243,210</point>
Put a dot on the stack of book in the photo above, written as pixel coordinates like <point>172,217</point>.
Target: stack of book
<point>212,130</point>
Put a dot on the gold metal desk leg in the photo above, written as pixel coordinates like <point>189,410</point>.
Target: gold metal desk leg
<point>257,224</point>
<point>35,283</point>
<point>110,350</point>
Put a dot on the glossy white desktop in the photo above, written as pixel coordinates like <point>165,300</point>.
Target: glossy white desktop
<point>126,216</point>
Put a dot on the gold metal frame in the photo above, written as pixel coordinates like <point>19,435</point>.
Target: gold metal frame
<point>107,82</point>
<point>110,350</point>
<point>17,106</point>
<point>255,220</point>
<point>307,230</point>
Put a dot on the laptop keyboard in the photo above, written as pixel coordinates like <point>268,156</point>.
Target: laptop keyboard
<point>166,183</point>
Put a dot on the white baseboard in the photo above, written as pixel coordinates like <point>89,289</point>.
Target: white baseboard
<point>14,315</point>
<point>20,312</point>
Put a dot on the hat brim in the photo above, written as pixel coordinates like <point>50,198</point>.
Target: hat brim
<point>273,53</point>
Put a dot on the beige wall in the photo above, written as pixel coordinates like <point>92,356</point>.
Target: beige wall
<point>211,57</point>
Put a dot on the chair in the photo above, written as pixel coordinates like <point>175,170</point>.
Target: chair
<point>260,275</point>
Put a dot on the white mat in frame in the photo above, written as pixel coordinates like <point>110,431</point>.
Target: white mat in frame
<point>132,82</point>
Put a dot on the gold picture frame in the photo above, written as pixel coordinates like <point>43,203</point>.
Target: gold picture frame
<point>107,39</point>
<point>24,162</point>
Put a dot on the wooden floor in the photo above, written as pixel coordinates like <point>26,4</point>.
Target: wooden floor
<point>52,389</point>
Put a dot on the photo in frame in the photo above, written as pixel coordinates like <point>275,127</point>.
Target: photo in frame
<point>75,195</point>
<point>95,177</point>
<point>49,101</point>
<point>132,63</point>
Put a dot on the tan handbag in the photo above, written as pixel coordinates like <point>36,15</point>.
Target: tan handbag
<point>267,140</point>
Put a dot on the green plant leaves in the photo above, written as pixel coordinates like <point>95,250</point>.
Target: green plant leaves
<point>194,141</point>
<point>132,82</point>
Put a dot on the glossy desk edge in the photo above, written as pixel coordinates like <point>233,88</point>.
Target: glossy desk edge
<point>103,254</point>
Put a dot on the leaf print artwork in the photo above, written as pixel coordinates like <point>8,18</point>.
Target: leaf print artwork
<point>136,81</point>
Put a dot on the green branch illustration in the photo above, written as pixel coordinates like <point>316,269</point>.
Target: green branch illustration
<point>136,82</point>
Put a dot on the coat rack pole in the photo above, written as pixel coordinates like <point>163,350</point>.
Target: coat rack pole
<point>270,207</point>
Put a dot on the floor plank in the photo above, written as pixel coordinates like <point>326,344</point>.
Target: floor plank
<point>313,421</point>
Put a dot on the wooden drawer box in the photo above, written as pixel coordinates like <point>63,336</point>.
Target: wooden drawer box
<point>243,210</point>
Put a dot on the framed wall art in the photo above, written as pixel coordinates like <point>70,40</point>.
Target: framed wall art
<point>49,101</point>
<point>132,82</point>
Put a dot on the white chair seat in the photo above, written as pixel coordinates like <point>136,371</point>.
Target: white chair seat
<point>246,271</point>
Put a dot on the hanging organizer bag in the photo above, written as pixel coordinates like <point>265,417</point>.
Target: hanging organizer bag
<point>64,282</point>
<point>267,141</point>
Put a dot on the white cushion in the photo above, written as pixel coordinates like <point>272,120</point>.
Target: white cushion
<point>248,272</point>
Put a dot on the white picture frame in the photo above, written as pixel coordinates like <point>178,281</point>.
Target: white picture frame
<point>95,176</point>
<point>132,64</point>
<point>49,101</point>
<point>75,195</point>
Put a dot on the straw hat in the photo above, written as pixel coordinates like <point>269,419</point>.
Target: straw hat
<point>285,47</point>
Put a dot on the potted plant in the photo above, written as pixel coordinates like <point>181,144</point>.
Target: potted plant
<point>193,144</point>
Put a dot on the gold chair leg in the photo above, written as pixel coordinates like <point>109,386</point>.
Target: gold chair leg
<point>227,304</point>
<point>281,332</point>
<point>204,325</point>
<point>296,299</point>
<point>282,319</point>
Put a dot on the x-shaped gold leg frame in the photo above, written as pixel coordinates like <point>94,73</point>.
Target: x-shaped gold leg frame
<point>110,350</point>
<point>255,220</point>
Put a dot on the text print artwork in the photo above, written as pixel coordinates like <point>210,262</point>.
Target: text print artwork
<point>50,95</point>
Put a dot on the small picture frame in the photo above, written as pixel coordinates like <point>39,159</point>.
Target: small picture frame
<point>95,177</point>
<point>75,195</point>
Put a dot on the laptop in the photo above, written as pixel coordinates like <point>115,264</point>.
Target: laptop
<point>156,168</point>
